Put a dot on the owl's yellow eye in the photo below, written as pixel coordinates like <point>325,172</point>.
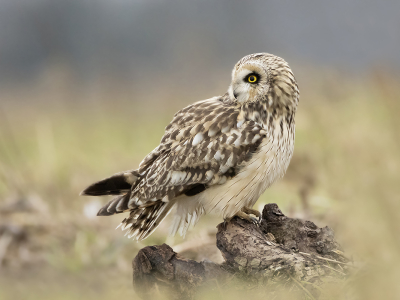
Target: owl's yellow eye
<point>252,78</point>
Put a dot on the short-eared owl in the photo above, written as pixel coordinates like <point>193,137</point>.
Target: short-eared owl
<point>216,156</point>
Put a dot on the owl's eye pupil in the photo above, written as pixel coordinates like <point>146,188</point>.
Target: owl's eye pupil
<point>252,78</point>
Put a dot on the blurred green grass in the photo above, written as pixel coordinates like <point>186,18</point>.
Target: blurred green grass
<point>54,142</point>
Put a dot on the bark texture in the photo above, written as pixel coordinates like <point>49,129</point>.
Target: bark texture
<point>280,251</point>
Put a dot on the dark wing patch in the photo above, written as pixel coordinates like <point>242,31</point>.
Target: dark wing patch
<point>195,189</point>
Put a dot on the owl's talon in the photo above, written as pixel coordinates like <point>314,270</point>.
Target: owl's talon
<point>247,217</point>
<point>254,220</point>
<point>226,220</point>
<point>250,211</point>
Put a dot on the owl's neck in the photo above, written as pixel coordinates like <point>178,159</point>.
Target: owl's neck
<point>263,112</point>
<point>266,115</point>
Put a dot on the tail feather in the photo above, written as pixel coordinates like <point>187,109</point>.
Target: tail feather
<point>143,220</point>
<point>117,205</point>
<point>115,185</point>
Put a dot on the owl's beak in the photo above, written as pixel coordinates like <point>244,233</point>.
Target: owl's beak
<point>232,93</point>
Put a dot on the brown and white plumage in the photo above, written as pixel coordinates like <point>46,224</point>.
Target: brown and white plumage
<point>216,156</point>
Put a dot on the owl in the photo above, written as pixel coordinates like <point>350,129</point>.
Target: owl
<point>216,156</point>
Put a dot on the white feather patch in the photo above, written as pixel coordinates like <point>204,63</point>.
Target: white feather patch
<point>225,129</point>
<point>229,161</point>
<point>209,174</point>
<point>217,155</point>
<point>177,177</point>
<point>224,168</point>
<point>240,123</point>
<point>255,139</point>
<point>237,142</point>
<point>211,133</point>
<point>197,138</point>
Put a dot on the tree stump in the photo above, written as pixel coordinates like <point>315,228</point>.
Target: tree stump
<point>280,253</point>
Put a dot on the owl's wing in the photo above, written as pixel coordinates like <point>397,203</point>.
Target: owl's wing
<point>205,144</point>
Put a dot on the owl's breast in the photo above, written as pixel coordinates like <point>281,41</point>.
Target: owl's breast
<point>265,166</point>
<point>272,160</point>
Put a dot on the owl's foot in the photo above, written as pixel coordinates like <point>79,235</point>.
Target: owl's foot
<point>245,215</point>
<point>250,211</point>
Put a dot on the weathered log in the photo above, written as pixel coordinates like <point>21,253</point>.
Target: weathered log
<point>279,249</point>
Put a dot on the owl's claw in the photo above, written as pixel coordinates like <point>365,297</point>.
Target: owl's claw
<point>250,211</point>
<point>255,220</point>
<point>226,220</point>
<point>245,215</point>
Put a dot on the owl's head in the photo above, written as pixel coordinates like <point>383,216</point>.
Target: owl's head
<point>265,78</point>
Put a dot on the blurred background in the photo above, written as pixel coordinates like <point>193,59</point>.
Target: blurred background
<point>87,87</point>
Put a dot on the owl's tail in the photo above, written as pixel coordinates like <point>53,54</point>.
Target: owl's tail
<point>143,220</point>
<point>119,184</point>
